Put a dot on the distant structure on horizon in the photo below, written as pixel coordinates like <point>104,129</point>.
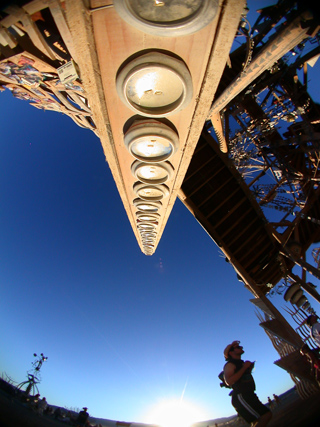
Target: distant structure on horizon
<point>180,110</point>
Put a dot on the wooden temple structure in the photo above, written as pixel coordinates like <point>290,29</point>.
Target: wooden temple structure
<point>181,112</point>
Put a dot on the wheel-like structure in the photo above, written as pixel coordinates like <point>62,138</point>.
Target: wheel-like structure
<point>29,387</point>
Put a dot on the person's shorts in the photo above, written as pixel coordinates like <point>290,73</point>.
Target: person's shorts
<point>248,406</point>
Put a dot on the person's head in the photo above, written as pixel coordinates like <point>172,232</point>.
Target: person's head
<point>311,320</point>
<point>85,409</point>
<point>233,350</point>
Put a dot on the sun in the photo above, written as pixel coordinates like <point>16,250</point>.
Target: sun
<point>175,413</point>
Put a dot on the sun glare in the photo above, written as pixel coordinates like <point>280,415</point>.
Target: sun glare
<point>175,413</point>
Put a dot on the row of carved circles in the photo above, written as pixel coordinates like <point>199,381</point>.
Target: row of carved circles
<point>156,84</point>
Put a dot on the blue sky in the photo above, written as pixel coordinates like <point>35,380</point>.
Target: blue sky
<point>122,331</point>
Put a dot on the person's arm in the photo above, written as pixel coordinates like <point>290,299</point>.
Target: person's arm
<point>229,372</point>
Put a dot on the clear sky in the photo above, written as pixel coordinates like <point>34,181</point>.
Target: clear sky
<point>123,332</point>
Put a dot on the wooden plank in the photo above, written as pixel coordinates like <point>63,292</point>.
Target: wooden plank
<point>244,240</point>
<point>244,199</point>
<point>230,212</point>
<point>84,121</point>
<point>36,37</point>
<point>237,235</point>
<point>216,172</point>
<point>67,103</point>
<point>225,182</point>
<point>262,243</point>
<point>7,80</point>
<point>18,30</point>
<point>276,328</point>
<point>8,20</point>
<point>235,224</point>
<point>198,169</point>
<point>59,19</point>
<point>35,6</point>
<point>286,40</point>
<point>31,28</point>
<point>7,39</point>
<point>272,274</point>
<point>296,364</point>
<point>77,99</point>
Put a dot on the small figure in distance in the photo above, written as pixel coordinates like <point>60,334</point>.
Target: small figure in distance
<point>82,418</point>
<point>276,399</point>
<point>57,415</point>
<point>237,374</point>
<point>33,403</point>
<point>271,404</point>
<point>42,405</point>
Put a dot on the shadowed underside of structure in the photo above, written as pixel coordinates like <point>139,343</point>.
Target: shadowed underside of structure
<point>215,193</point>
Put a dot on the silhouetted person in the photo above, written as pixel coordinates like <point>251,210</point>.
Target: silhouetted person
<point>42,405</point>
<point>276,399</point>
<point>57,413</point>
<point>237,374</point>
<point>82,418</point>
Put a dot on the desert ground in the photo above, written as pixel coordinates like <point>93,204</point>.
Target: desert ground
<point>292,411</point>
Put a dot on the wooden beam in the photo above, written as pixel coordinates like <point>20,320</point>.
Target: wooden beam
<point>243,230</point>
<point>259,243</point>
<point>35,6</point>
<point>286,40</point>
<point>245,241</point>
<point>58,16</point>
<point>239,219</point>
<point>7,39</point>
<point>225,182</point>
<point>33,32</point>
<point>276,328</point>
<point>230,212</point>
<point>77,99</point>
<point>296,364</point>
<point>216,172</point>
<point>190,175</point>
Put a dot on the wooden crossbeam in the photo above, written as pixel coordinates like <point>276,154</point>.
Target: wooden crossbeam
<point>206,181</point>
<point>198,169</point>
<point>58,16</point>
<point>18,14</point>
<point>287,39</point>
<point>225,182</point>
<point>230,229</point>
<point>35,6</point>
<point>231,210</point>
<point>244,241</point>
<point>7,39</point>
